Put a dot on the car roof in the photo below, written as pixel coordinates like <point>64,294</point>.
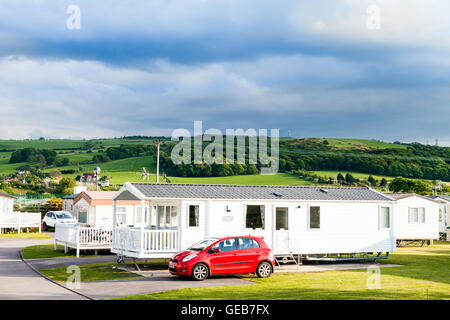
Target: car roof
<point>244,236</point>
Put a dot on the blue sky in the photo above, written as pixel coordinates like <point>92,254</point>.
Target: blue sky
<point>149,67</point>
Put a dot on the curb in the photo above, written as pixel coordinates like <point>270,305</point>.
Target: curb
<point>51,280</point>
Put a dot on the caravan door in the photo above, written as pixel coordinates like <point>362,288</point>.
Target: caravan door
<point>281,241</point>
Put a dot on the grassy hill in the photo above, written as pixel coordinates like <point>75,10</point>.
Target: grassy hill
<point>80,154</point>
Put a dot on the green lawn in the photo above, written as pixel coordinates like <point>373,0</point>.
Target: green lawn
<point>26,235</point>
<point>47,251</point>
<point>104,271</point>
<point>91,272</point>
<point>423,268</point>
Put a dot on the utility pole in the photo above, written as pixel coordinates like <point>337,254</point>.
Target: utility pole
<point>157,143</point>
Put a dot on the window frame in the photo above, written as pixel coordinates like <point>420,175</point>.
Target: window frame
<point>420,214</point>
<point>309,218</point>
<point>287,218</point>
<point>121,214</point>
<point>189,216</point>
<point>263,216</point>
<point>380,218</point>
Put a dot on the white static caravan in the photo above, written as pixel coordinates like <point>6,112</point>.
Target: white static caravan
<point>416,217</point>
<point>16,220</point>
<point>293,220</point>
<point>6,203</point>
<point>95,209</point>
<point>444,213</point>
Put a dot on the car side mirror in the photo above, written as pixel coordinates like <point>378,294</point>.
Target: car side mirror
<point>216,250</point>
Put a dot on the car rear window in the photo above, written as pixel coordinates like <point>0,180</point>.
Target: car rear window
<point>248,243</point>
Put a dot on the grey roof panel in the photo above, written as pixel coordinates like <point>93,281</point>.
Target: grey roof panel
<point>242,192</point>
<point>6,195</point>
<point>71,196</point>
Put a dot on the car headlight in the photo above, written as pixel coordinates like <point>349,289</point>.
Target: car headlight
<point>189,257</point>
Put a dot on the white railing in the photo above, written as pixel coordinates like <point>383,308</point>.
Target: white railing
<point>94,236</point>
<point>153,241</point>
<point>74,236</point>
<point>160,240</point>
<point>18,220</point>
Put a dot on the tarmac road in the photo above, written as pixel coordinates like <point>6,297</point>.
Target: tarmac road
<point>18,281</point>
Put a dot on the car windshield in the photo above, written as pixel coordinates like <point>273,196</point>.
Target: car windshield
<point>202,245</point>
<point>63,216</point>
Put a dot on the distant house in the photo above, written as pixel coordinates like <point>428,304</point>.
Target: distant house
<point>87,177</point>
<point>416,217</point>
<point>6,203</point>
<point>105,183</point>
<point>95,208</point>
<point>11,180</point>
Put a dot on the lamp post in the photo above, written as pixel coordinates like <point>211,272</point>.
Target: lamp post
<point>97,171</point>
<point>157,143</point>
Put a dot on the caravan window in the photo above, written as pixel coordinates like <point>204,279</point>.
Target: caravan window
<point>121,215</point>
<point>282,219</point>
<point>167,217</point>
<point>385,218</point>
<point>193,216</point>
<point>416,215</point>
<point>254,218</point>
<point>82,216</point>
<point>314,217</point>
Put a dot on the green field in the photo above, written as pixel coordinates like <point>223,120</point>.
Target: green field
<point>425,273</point>
<point>334,173</point>
<point>361,143</point>
<point>276,179</point>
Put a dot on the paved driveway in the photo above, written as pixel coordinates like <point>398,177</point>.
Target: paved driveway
<point>18,281</point>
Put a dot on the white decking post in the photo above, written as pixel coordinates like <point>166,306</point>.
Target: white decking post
<point>77,241</point>
<point>40,224</point>
<point>180,224</point>
<point>391,230</point>
<point>208,218</point>
<point>142,225</point>
<point>19,222</point>
<point>274,212</point>
<point>114,221</point>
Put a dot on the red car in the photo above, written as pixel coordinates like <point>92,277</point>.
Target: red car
<point>230,255</point>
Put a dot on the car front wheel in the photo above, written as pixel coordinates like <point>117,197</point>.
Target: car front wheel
<point>200,272</point>
<point>44,226</point>
<point>264,270</point>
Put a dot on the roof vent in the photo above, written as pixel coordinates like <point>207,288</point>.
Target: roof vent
<point>323,190</point>
<point>276,194</point>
